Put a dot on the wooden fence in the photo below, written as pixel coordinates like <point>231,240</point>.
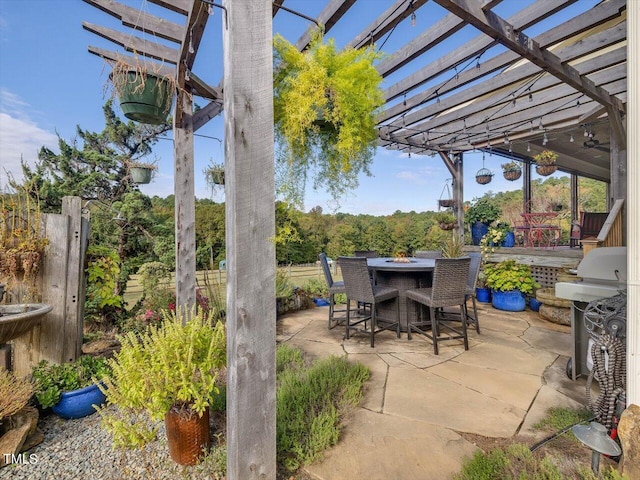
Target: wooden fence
<point>58,338</point>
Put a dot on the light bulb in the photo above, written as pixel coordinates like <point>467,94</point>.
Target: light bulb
<point>413,19</point>
<point>571,138</point>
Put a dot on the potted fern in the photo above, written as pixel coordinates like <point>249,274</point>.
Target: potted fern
<point>171,373</point>
<point>325,106</point>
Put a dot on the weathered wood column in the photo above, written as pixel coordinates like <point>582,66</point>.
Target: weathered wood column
<point>185,207</point>
<point>633,204</point>
<point>250,226</point>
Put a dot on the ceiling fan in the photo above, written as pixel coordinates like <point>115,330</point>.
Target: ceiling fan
<point>594,143</point>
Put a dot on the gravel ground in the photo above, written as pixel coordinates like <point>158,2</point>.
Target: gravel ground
<point>82,449</point>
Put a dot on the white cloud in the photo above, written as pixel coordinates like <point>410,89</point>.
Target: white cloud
<point>20,137</point>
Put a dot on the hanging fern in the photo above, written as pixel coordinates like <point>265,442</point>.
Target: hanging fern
<point>325,106</point>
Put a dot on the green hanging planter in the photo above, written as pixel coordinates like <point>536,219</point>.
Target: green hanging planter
<point>141,174</point>
<point>144,97</point>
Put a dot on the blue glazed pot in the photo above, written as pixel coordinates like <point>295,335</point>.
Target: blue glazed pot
<point>478,230</point>
<point>534,304</point>
<point>510,240</point>
<point>483,295</point>
<point>511,301</point>
<point>321,302</point>
<point>79,403</point>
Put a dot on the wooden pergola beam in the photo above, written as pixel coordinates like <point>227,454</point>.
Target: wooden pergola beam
<point>386,22</point>
<point>108,55</point>
<point>502,31</point>
<point>202,116</point>
<point>431,37</point>
<point>329,16</point>
<point>179,6</point>
<point>134,18</point>
<point>134,44</point>
<point>594,17</point>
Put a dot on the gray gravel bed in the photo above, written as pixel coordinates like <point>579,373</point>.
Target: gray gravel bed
<point>82,449</point>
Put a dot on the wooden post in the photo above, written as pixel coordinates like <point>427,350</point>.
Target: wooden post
<point>458,193</point>
<point>526,187</point>
<point>74,304</point>
<point>250,226</point>
<point>633,205</point>
<point>185,206</point>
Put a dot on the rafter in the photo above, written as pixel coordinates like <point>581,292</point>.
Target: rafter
<point>142,21</point>
<point>134,44</point>
<point>502,31</point>
<point>334,10</point>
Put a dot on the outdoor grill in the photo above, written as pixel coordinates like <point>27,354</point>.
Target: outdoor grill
<point>603,273</point>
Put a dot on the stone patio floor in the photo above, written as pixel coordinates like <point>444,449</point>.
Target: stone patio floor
<point>416,403</point>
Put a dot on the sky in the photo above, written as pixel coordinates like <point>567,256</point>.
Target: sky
<point>50,84</point>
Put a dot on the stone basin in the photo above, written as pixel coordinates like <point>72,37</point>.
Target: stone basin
<point>20,318</point>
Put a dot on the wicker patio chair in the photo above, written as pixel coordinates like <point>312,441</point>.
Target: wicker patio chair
<point>366,253</point>
<point>448,289</point>
<point>361,290</point>
<point>472,280</point>
<point>427,254</point>
<point>334,287</point>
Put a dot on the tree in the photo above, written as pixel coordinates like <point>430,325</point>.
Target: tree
<point>93,166</point>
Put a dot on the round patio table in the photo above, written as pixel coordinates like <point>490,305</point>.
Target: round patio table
<point>402,276</point>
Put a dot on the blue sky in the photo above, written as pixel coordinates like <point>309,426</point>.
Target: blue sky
<point>50,83</point>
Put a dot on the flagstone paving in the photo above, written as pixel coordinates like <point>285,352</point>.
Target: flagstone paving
<point>416,403</point>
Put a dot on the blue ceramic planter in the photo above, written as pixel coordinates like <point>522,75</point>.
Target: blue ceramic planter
<point>534,304</point>
<point>478,230</point>
<point>321,302</point>
<point>511,301</point>
<point>483,295</point>
<point>79,403</point>
<point>510,240</point>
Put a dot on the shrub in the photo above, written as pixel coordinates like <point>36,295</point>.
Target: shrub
<point>175,364</point>
<point>482,211</point>
<point>310,402</point>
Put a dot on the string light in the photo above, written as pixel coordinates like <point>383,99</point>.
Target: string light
<point>528,147</point>
<point>404,99</point>
<point>413,14</point>
<point>506,138</point>
<point>540,126</point>
<point>545,139</point>
<point>571,138</point>
<point>530,95</point>
<point>510,149</point>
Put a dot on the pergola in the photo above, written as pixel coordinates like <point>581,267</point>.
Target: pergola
<point>554,72</point>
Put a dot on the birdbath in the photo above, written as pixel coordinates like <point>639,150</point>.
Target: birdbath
<point>20,318</point>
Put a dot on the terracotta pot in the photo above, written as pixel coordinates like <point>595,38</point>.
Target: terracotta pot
<point>187,434</point>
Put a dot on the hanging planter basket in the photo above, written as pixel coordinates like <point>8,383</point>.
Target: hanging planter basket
<point>141,174</point>
<point>484,176</point>
<point>513,174</point>
<point>545,170</point>
<point>144,97</point>
<point>447,226</point>
<point>446,200</point>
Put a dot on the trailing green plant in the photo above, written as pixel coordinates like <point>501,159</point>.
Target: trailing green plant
<point>325,106</point>
<point>51,379</point>
<point>509,275</point>
<point>14,393</point>
<point>214,174</point>
<point>483,210</point>
<point>177,364</point>
<point>310,402</point>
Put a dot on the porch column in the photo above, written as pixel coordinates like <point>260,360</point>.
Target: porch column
<point>526,187</point>
<point>633,205</point>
